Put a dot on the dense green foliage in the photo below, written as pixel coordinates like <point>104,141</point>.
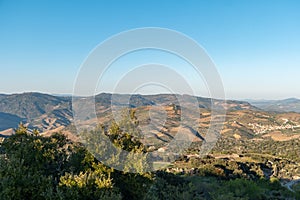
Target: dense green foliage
<point>36,167</point>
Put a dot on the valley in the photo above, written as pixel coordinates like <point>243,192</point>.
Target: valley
<point>252,144</point>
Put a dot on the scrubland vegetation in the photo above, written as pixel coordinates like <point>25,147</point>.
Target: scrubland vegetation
<point>36,167</point>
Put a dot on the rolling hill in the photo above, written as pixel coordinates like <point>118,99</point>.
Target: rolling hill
<point>49,113</point>
<point>41,111</point>
<point>286,105</point>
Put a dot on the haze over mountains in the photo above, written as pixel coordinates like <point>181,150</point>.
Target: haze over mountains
<point>35,108</point>
<point>286,105</point>
<point>49,113</point>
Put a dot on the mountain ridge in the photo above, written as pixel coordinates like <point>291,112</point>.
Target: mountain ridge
<point>284,105</point>
<point>48,113</point>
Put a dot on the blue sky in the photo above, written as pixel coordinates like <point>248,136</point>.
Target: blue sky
<point>255,44</point>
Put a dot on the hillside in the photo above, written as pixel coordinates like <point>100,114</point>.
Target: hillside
<point>255,146</point>
<point>38,110</point>
<point>286,105</point>
<point>9,120</point>
<point>47,113</point>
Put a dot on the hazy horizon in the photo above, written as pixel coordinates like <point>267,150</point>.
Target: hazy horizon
<point>103,92</point>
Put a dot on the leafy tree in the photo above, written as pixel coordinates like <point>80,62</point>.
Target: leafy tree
<point>35,167</point>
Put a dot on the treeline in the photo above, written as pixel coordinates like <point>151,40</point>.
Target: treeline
<point>36,167</point>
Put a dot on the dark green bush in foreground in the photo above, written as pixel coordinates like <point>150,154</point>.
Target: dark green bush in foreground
<point>36,167</point>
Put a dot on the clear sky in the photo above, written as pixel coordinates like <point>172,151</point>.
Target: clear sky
<point>255,44</point>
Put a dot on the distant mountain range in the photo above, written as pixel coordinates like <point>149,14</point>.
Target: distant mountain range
<point>46,112</point>
<point>286,105</point>
<point>49,113</point>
